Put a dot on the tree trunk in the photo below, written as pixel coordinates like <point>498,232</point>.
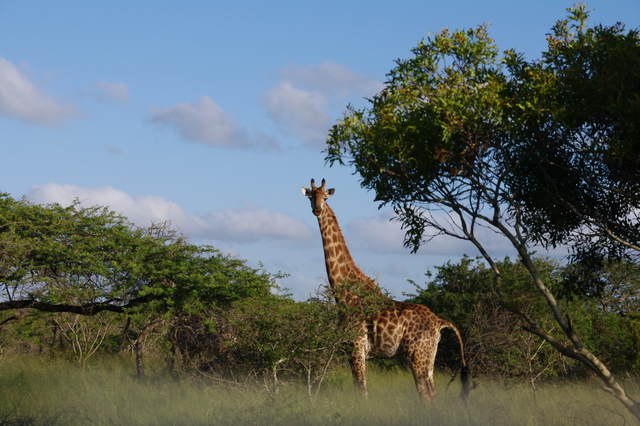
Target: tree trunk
<point>142,337</point>
<point>139,361</point>
<point>577,350</point>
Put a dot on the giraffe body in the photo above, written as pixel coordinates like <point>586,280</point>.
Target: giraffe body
<point>399,327</point>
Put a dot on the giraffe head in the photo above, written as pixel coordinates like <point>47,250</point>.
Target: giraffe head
<point>318,196</point>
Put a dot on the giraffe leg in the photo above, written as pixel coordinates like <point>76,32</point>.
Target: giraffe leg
<point>422,360</point>
<point>359,369</point>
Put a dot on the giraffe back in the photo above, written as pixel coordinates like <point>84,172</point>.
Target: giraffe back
<point>400,328</point>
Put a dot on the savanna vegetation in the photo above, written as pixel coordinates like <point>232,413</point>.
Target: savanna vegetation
<point>103,322</point>
<point>543,152</point>
<point>161,331</point>
<point>35,392</point>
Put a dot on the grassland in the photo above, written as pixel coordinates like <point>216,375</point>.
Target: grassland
<point>106,392</point>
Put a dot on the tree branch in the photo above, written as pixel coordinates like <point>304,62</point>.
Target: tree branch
<point>87,309</point>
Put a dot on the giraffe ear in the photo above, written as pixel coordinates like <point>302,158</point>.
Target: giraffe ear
<point>330,192</point>
<point>306,192</point>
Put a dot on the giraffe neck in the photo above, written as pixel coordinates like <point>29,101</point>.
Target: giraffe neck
<point>340,265</point>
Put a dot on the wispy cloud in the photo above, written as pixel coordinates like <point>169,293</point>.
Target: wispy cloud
<point>20,98</point>
<point>204,121</point>
<point>252,225</point>
<point>331,78</point>
<point>377,234</point>
<point>380,234</point>
<point>107,91</point>
<point>299,113</point>
<point>113,149</point>
<point>302,100</point>
<point>233,226</point>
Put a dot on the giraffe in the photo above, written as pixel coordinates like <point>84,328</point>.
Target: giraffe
<point>407,328</point>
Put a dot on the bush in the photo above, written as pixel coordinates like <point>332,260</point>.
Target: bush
<point>496,345</point>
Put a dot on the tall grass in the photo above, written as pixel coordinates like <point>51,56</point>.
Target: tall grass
<point>106,392</point>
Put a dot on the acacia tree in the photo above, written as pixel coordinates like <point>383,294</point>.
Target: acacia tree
<point>87,260</point>
<point>439,143</point>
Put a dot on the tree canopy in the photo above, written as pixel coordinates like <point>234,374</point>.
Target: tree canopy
<point>576,150</point>
<point>540,152</point>
<point>88,259</point>
<point>559,135</point>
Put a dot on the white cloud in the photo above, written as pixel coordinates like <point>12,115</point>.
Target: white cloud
<point>118,92</point>
<point>301,102</point>
<point>333,78</point>
<point>253,225</point>
<point>376,234</point>
<point>299,112</point>
<point>246,225</point>
<point>204,121</point>
<point>22,99</point>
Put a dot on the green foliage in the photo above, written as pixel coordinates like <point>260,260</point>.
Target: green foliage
<point>577,111</point>
<point>90,256</point>
<point>54,253</point>
<point>553,140</point>
<point>274,335</point>
<point>615,338</point>
<point>437,116</point>
<point>495,343</point>
<point>85,260</point>
<point>358,301</point>
<point>60,264</point>
<point>615,283</point>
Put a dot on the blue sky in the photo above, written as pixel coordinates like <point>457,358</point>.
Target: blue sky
<point>213,114</point>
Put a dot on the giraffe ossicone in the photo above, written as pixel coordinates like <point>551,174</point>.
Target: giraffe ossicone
<point>409,328</point>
